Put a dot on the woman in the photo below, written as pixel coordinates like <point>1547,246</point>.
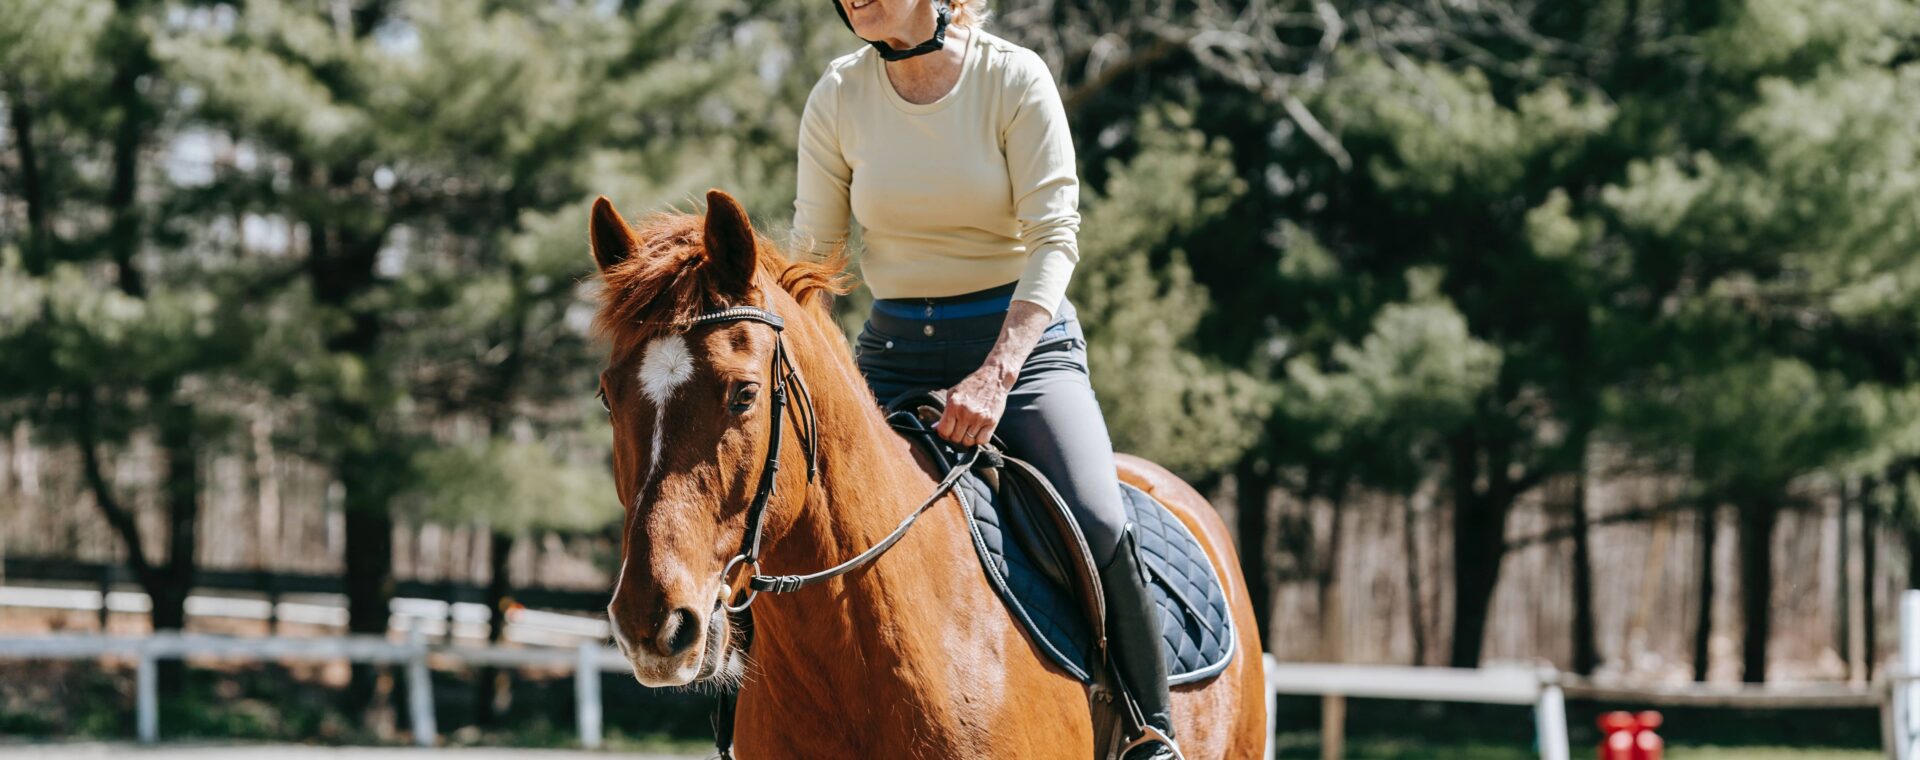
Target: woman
<point>951,147</point>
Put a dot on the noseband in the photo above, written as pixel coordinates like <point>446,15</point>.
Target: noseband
<point>784,374</point>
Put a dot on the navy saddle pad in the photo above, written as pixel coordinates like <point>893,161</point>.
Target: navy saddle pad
<point>1195,625</point>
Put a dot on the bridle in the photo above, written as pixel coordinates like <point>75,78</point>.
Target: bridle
<point>785,374</point>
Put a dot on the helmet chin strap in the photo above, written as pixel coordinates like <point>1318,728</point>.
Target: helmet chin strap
<point>888,52</point>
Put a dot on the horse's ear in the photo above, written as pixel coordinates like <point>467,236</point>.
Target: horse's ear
<point>731,250</point>
<point>610,236</point>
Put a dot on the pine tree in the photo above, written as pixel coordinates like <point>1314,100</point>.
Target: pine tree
<point>1778,223</point>
<point>130,313</point>
<point>418,146</point>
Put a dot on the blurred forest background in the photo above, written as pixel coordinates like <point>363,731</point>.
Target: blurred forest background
<point>1585,333</point>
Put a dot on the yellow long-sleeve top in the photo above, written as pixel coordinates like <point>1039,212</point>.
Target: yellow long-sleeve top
<point>972,191</point>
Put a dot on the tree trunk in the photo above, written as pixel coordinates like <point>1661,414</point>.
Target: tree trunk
<point>496,685</point>
<point>1845,627</point>
<point>1332,612</point>
<point>369,583</point>
<point>1479,543</point>
<point>177,578</point>
<point>1333,630</point>
<point>1756,587</point>
<point>1253,483</point>
<point>38,254</point>
<point>1586,652</point>
<point>1703,610</point>
<point>340,268</point>
<point>135,61</point>
<point>1913,557</point>
<point>1476,573</point>
<point>1416,599</point>
<point>1868,524</point>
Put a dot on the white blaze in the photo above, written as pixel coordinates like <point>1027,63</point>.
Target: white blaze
<point>664,365</point>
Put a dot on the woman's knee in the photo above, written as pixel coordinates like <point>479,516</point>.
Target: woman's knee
<point>1102,524</point>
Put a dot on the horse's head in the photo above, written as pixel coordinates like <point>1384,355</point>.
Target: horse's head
<point>691,412</point>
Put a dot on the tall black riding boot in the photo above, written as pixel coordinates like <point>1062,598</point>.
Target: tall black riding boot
<point>1133,641</point>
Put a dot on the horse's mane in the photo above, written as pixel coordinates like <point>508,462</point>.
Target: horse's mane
<point>666,281</point>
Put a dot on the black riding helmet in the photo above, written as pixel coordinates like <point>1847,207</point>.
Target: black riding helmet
<point>888,52</point>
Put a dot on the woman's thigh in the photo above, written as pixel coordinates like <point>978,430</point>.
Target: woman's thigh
<point>1054,422</point>
<point>1052,419</point>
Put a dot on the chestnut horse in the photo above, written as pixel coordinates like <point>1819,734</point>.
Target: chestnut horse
<point>911,656</point>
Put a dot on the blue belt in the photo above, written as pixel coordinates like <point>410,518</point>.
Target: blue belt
<point>931,310</point>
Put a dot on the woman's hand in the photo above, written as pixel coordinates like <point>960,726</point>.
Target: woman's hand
<point>974,407</point>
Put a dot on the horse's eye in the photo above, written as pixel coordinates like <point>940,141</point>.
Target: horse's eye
<point>744,396</point>
<point>601,393</point>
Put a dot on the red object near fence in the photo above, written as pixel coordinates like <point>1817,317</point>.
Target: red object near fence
<point>1630,736</point>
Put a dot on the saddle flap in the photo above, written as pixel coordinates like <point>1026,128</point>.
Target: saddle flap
<point>1037,534</point>
<point>1033,511</point>
<point>1046,514</point>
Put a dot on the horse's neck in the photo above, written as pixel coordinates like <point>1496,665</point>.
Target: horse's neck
<point>880,638</point>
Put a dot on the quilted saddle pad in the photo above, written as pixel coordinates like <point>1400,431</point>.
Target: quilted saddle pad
<point>1195,625</point>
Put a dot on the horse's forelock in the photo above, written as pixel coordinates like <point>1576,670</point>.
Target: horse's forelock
<point>667,282</point>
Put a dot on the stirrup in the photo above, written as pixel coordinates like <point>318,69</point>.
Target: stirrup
<point>1151,735</point>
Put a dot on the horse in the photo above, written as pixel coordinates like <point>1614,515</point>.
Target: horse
<point>911,655</point>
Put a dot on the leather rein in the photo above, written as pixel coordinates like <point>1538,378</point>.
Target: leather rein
<point>786,375</point>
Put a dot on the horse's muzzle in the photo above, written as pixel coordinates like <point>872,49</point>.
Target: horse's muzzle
<point>686,646</point>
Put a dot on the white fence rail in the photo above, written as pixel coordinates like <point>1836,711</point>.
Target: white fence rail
<point>588,661</point>
<point>1539,688</point>
<point>1543,689</point>
<point>433,617</point>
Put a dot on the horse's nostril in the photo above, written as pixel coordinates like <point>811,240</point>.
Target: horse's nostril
<point>679,632</point>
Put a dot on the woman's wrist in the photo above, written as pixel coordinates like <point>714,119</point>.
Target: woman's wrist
<point>1003,369</point>
<point>1025,322</point>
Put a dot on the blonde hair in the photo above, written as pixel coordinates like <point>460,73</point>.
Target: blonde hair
<point>969,13</point>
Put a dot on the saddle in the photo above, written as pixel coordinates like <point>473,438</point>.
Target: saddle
<point>1037,560</point>
<point>1021,504</point>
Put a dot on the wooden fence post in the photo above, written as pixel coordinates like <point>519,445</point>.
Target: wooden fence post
<point>1333,727</point>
